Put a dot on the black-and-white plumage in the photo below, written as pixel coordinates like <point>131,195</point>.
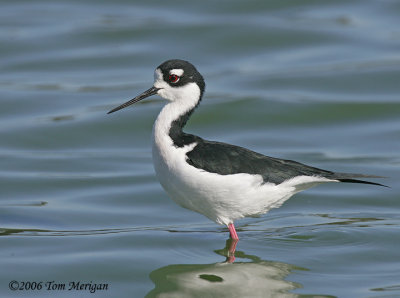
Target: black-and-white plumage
<point>222,181</point>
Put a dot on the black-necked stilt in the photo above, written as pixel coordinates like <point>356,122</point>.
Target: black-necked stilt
<point>221,181</point>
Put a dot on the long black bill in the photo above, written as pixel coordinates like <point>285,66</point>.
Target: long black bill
<point>153,90</point>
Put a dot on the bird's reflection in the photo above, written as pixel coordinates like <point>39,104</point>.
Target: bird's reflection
<point>229,250</point>
<point>251,277</point>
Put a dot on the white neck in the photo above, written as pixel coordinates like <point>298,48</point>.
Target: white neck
<point>182,102</point>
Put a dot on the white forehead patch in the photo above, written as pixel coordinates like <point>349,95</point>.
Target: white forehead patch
<point>176,71</point>
<point>158,75</point>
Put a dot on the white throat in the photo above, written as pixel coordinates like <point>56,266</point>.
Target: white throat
<point>176,108</point>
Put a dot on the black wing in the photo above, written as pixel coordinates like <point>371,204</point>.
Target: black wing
<point>226,159</point>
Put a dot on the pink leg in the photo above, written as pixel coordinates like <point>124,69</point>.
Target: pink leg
<point>232,231</point>
<point>232,246</point>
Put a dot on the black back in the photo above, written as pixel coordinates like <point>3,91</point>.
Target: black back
<point>226,159</point>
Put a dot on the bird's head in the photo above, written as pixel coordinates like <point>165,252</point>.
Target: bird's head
<point>174,80</point>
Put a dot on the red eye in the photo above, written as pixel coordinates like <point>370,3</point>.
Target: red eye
<point>174,78</point>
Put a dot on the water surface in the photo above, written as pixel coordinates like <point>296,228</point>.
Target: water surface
<point>316,82</point>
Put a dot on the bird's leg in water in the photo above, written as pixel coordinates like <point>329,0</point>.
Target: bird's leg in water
<point>233,242</point>
<point>232,231</point>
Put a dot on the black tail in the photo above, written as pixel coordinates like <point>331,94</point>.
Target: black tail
<point>349,178</point>
<point>361,181</point>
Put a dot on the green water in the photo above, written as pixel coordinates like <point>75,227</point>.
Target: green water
<point>313,81</point>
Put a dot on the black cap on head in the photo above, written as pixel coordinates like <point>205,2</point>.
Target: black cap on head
<point>190,73</point>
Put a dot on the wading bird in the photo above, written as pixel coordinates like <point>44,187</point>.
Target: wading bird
<point>221,181</point>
